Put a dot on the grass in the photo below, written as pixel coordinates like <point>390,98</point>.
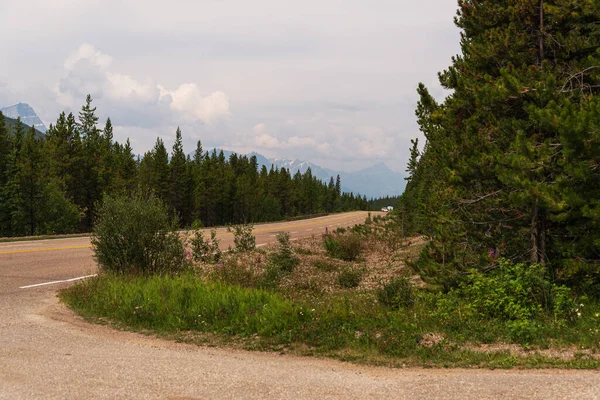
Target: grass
<point>351,326</point>
<point>247,301</point>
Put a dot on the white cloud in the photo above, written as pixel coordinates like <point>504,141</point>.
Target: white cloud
<point>123,87</point>
<point>188,101</point>
<point>88,52</point>
<point>267,141</point>
<point>89,71</point>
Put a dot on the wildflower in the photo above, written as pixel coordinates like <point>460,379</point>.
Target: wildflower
<point>492,252</point>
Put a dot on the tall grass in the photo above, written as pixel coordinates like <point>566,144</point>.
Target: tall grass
<point>166,303</point>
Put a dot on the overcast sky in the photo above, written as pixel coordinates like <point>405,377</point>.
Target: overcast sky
<point>332,82</point>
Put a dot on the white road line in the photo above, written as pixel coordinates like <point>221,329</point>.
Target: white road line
<point>261,245</point>
<point>55,282</point>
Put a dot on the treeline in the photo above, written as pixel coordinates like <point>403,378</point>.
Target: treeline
<point>54,184</point>
<point>379,203</point>
<point>511,164</point>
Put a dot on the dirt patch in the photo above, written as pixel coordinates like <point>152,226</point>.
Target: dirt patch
<point>563,354</point>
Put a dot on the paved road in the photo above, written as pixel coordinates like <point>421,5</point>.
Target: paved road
<point>47,353</point>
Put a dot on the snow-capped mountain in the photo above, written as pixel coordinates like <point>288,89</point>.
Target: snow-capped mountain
<point>374,182</point>
<point>28,116</point>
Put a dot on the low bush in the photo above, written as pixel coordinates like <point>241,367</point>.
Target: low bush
<point>350,278</point>
<point>232,271</point>
<point>519,295</point>
<point>205,250</point>
<point>197,224</point>
<point>283,257</point>
<point>398,293</point>
<point>242,237</point>
<point>347,247</point>
<point>135,235</point>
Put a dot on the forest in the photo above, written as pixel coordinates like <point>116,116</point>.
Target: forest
<point>53,184</point>
<point>510,169</point>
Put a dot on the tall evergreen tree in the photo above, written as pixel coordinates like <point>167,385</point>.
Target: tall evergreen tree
<point>499,175</point>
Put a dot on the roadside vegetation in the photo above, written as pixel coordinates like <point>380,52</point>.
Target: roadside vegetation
<point>302,298</point>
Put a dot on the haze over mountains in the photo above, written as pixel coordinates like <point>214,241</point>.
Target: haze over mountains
<point>376,181</point>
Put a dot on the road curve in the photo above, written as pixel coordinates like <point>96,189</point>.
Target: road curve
<point>46,352</point>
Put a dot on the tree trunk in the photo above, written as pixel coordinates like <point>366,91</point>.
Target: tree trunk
<point>541,33</point>
<point>538,235</point>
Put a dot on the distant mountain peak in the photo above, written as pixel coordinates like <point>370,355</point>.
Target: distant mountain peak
<point>27,115</point>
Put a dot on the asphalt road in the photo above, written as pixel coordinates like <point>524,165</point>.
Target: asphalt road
<point>48,353</point>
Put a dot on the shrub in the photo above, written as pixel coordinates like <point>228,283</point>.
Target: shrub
<point>197,224</point>
<point>284,257</point>
<point>205,250</point>
<point>520,295</point>
<point>325,265</point>
<point>347,247</point>
<point>398,293</point>
<point>135,235</point>
<point>350,278</point>
<point>233,272</point>
<point>242,237</point>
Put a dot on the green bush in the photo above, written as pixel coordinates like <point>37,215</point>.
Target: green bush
<point>350,278</point>
<point>197,224</point>
<point>518,294</point>
<point>398,293</point>
<point>242,237</point>
<point>205,250</point>
<point>284,258</point>
<point>135,235</point>
<point>347,247</point>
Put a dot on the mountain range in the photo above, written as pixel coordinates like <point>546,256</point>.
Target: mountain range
<point>374,182</point>
<point>27,115</point>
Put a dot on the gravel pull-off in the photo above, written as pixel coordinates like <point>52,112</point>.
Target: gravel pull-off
<point>47,353</point>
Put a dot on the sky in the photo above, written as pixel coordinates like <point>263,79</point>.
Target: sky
<point>328,81</point>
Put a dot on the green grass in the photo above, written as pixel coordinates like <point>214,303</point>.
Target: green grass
<point>350,326</point>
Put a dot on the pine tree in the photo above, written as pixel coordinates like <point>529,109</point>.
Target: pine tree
<point>499,175</point>
<point>178,184</point>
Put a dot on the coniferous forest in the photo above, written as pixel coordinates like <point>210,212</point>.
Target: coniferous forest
<point>511,164</point>
<point>53,183</point>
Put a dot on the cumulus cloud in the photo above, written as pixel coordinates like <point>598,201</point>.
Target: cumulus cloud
<point>89,53</point>
<point>188,101</point>
<point>89,71</point>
